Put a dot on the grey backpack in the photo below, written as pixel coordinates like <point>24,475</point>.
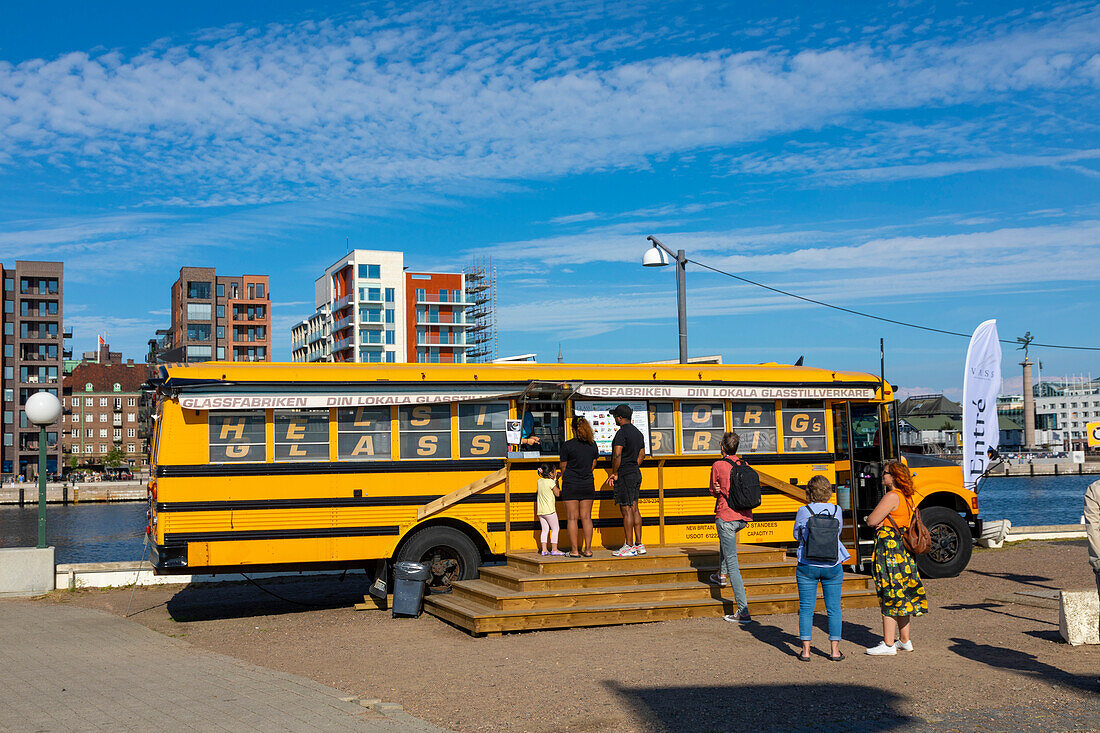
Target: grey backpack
<point>822,537</point>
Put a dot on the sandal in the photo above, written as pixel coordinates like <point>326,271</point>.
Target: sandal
<point>803,658</point>
<point>544,553</point>
<point>587,554</point>
<point>572,555</point>
<point>837,659</point>
<point>557,553</point>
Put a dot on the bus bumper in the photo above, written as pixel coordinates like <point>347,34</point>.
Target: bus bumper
<point>169,560</point>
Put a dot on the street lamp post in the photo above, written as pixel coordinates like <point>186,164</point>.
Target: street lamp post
<point>657,256</point>
<point>42,409</point>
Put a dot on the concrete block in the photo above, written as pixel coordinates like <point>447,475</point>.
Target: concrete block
<point>26,571</point>
<point>1079,617</point>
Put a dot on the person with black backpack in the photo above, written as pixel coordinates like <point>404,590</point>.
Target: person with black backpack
<point>736,489</point>
<point>821,555</point>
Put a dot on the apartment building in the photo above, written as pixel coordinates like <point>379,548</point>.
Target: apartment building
<point>102,398</point>
<point>34,354</point>
<point>216,317</point>
<point>436,313</point>
<point>370,309</point>
<point>359,312</point>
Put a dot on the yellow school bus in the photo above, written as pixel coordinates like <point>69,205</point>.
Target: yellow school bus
<point>289,466</point>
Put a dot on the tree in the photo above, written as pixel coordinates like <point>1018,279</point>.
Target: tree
<point>114,457</point>
<point>73,462</point>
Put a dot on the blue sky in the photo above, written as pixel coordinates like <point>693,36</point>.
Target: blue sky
<point>921,161</point>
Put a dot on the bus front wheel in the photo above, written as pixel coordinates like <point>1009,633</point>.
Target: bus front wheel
<point>449,554</point>
<point>952,543</point>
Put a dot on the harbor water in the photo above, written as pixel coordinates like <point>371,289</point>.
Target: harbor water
<point>114,532</point>
<point>99,532</point>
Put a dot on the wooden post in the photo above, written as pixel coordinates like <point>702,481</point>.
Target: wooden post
<point>661,500</point>
<point>507,508</point>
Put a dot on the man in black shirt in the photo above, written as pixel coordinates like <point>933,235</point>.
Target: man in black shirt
<point>628,452</point>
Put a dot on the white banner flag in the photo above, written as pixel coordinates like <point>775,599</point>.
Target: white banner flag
<point>982,381</point>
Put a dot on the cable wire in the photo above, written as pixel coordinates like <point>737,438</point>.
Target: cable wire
<point>872,316</point>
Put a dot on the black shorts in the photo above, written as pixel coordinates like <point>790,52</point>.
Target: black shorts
<point>578,492</point>
<point>628,489</point>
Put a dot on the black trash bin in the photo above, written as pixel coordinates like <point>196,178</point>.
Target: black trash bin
<point>409,579</point>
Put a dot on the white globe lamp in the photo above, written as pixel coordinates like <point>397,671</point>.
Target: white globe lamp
<point>42,409</point>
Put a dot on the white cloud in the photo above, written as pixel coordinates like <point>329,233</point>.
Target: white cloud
<point>434,96</point>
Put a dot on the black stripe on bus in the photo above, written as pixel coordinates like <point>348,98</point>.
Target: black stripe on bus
<point>611,522</point>
<point>194,386</point>
<point>279,534</point>
<point>419,466</point>
<point>526,497</point>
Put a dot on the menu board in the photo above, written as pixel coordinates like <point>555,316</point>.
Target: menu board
<point>603,424</point>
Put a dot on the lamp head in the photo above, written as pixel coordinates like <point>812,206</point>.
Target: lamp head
<point>43,408</point>
<point>654,257</point>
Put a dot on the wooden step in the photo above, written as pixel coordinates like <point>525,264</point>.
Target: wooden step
<point>657,557</point>
<point>494,596</point>
<point>480,619</point>
<point>514,579</point>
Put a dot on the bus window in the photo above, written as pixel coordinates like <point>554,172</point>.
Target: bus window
<point>481,430</point>
<point>890,420</point>
<point>424,431</point>
<point>662,429</point>
<point>238,436</point>
<point>803,428</point>
<point>363,434</point>
<point>754,423</point>
<point>866,446</point>
<point>301,435</point>
<point>702,425</point>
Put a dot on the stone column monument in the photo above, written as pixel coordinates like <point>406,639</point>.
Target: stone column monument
<point>1029,407</point>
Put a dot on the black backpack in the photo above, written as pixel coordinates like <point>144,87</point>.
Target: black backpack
<point>744,492</point>
<point>822,537</point>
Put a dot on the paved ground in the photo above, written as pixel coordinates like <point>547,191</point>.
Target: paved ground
<point>988,659</point>
<point>67,668</point>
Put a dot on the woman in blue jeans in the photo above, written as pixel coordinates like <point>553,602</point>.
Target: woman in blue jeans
<point>811,572</point>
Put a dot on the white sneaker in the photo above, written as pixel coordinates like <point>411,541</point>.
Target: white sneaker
<point>904,646</point>
<point>624,551</point>
<point>883,650</point>
<point>640,549</point>
<point>720,580</point>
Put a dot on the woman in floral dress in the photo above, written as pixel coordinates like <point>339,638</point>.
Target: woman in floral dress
<point>900,591</point>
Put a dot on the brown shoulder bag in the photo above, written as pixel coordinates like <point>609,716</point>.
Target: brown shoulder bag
<point>916,538</point>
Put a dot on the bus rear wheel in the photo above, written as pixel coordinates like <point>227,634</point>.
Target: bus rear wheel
<point>449,554</point>
<point>952,543</point>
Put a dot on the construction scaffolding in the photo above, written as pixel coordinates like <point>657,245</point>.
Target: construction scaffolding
<point>481,314</point>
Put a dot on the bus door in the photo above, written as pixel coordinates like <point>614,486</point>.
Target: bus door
<point>842,442</point>
<point>867,458</point>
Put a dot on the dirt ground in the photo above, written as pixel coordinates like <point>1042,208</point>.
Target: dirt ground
<point>980,664</point>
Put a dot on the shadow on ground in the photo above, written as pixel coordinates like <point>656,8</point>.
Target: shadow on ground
<point>266,597</point>
<point>793,707</point>
<point>1025,664</point>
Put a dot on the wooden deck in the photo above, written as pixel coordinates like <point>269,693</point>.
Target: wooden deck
<point>535,592</point>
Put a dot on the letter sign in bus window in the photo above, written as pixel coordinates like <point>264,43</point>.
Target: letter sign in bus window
<point>481,430</point>
<point>702,425</point>
<point>238,437</point>
<point>662,428</point>
<point>424,431</point>
<point>803,430</point>
<point>754,423</point>
<point>301,435</point>
<point>363,434</point>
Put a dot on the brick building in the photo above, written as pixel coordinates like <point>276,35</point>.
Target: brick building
<point>102,398</point>
<point>435,307</point>
<point>216,317</point>
<point>34,352</point>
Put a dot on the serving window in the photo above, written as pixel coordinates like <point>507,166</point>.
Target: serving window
<point>754,423</point>
<point>702,425</point>
<point>803,428</point>
<point>424,431</point>
<point>237,437</point>
<point>662,428</point>
<point>482,430</point>
<point>363,434</point>
<point>301,435</point>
